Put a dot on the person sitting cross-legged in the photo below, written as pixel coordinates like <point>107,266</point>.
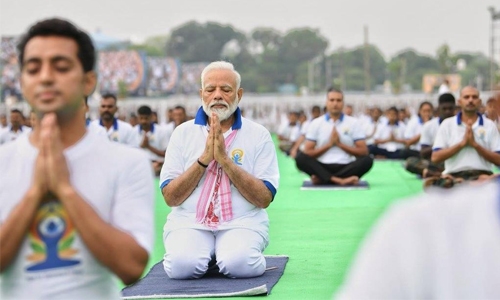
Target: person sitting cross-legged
<point>335,150</point>
<point>469,144</point>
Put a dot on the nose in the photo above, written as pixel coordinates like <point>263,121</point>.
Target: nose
<point>218,94</point>
<point>46,74</point>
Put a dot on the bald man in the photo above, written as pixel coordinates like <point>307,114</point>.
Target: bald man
<point>469,144</point>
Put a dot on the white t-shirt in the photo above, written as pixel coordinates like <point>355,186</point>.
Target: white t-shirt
<point>290,132</point>
<point>158,137</point>
<point>384,131</point>
<point>53,262</point>
<point>369,126</point>
<point>349,131</point>
<point>414,128</point>
<point>429,131</point>
<point>8,135</point>
<point>443,89</point>
<point>452,131</point>
<point>95,127</point>
<point>440,245</point>
<point>121,132</point>
<point>252,149</point>
<point>303,132</point>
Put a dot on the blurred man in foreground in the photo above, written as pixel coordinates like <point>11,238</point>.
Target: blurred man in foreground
<point>76,211</point>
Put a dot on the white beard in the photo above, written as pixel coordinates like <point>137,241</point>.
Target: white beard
<point>222,113</point>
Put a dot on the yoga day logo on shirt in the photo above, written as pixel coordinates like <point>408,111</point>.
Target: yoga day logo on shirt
<point>481,133</point>
<point>114,136</point>
<point>51,236</point>
<point>237,156</point>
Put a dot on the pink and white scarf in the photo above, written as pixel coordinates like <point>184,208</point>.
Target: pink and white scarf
<point>216,185</point>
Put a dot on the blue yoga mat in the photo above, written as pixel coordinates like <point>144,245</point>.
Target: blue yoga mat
<point>307,185</point>
<point>156,284</point>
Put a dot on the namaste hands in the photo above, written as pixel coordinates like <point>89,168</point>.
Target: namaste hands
<point>215,149</point>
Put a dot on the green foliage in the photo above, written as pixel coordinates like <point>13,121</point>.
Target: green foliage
<point>348,66</point>
<point>122,89</point>
<point>195,42</point>
<point>409,67</point>
<point>267,58</point>
<point>153,46</point>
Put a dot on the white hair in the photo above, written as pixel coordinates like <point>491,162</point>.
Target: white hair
<point>221,65</point>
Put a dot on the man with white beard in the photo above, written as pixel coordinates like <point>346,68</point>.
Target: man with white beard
<point>219,175</point>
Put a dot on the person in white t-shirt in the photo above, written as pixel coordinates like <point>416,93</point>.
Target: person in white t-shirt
<point>422,165</point>
<point>299,143</point>
<point>3,121</point>
<point>491,112</point>
<point>469,144</point>
<point>219,175</point>
<point>289,132</point>
<point>414,129</point>
<point>16,128</point>
<point>179,115</point>
<point>335,151</point>
<point>153,137</point>
<point>389,137</point>
<point>370,126</point>
<point>117,130</point>
<point>440,245</point>
<point>444,88</point>
<point>93,126</point>
<point>76,210</point>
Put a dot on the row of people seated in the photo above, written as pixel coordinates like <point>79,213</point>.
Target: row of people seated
<point>332,148</point>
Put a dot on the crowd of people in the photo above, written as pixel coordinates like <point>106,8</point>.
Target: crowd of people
<point>139,75</point>
<point>218,171</point>
<point>120,67</point>
<point>9,80</point>
<point>163,76</point>
<point>394,133</point>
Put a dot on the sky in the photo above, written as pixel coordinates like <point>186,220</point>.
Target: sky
<point>393,25</point>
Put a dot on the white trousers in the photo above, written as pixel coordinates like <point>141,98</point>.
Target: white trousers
<point>238,253</point>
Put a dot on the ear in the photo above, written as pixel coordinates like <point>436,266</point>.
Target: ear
<point>240,94</point>
<point>90,81</point>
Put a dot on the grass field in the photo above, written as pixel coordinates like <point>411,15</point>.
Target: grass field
<point>319,230</point>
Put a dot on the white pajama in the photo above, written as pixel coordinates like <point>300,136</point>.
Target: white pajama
<point>238,253</point>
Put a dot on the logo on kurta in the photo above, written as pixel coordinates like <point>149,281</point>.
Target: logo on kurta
<point>237,156</point>
<point>51,237</point>
<point>481,132</point>
<point>345,130</point>
<point>114,136</point>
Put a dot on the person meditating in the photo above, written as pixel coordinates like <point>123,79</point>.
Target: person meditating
<point>335,151</point>
<point>219,175</point>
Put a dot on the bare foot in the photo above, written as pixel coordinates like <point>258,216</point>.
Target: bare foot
<point>337,180</point>
<point>351,180</point>
<point>345,181</point>
<point>315,180</point>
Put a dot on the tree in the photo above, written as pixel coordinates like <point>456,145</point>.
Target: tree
<point>348,67</point>
<point>152,46</point>
<point>267,38</point>
<point>416,66</point>
<point>195,42</point>
<point>443,57</point>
